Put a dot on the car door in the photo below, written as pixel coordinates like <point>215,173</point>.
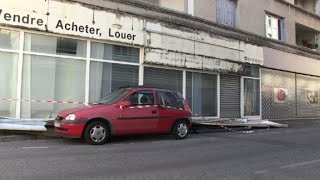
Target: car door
<point>170,108</point>
<point>141,117</point>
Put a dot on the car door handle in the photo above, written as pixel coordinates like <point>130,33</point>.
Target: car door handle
<point>154,111</point>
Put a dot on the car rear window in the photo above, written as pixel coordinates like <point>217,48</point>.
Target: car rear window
<point>169,99</point>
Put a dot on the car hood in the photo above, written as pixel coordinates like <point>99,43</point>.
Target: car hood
<point>66,112</point>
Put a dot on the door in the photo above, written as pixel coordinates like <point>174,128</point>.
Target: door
<point>141,117</point>
<point>170,108</point>
<point>251,106</point>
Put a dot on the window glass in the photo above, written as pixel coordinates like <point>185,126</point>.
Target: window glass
<point>54,45</point>
<point>141,98</point>
<point>106,78</point>
<point>251,97</point>
<point>115,53</point>
<point>8,81</point>
<point>169,99</point>
<point>48,79</point>
<point>204,94</point>
<point>274,27</point>
<point>114,96</point>
<point>252,71</point>
<point>9,39</point>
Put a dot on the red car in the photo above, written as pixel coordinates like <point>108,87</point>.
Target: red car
<point>131,110</point>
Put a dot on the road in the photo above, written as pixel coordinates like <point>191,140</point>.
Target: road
<point>289,153</point>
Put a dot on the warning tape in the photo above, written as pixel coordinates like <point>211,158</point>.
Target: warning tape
<point>80,103</point>
<point>42,101</point>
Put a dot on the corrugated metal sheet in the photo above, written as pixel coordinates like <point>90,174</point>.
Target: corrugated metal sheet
<point>229,96</point>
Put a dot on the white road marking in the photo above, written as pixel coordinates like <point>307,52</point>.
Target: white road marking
<point>300,164</point>
<point>35,147</point>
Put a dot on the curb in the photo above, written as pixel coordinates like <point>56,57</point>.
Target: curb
<point>9,135</point>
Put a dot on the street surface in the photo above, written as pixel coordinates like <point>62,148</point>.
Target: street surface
<point>289,153</point>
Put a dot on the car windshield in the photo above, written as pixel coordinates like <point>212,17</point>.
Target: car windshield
<point>114,96</point>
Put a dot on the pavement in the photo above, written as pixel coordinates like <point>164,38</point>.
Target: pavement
<point>280,153</point>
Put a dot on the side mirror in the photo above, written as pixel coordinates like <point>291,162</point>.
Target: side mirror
<point>125,104</point>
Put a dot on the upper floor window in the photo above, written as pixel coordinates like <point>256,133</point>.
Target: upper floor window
<point>274,27</point>
<point>227,12</point>
<point>179,5</point>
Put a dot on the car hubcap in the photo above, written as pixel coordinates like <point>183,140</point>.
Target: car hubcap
<point>182,130</point>
<point>98,133</point>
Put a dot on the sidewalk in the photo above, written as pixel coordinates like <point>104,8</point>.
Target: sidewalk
<point>22,125</point>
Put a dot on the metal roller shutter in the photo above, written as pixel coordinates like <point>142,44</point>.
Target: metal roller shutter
<point>124,75</point>
<point>209,95</point>
<point>126,54</point>
<point>229,96</point>
<point>163,78</point>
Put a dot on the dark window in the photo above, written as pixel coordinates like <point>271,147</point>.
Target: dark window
<point>141,98</point>
<point>252,71</point>
<point>66,46</point>
<point>169,99</point>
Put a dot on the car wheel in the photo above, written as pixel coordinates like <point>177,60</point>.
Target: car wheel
<point>96,133</point>
<point>181,130</point>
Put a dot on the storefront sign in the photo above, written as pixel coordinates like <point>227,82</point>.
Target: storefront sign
<point>74,19</point>
<point>280,95</point>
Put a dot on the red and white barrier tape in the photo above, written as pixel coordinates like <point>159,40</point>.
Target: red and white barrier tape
<point>80,103</point>
<point>41,101</point>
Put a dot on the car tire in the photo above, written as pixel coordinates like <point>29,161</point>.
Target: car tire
<point>96,133</point>
<point>181,129</point>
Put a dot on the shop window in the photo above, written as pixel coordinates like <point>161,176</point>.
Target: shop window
<point>106,78</point>
<point>115,53</point>
<point>163,78</point>
<point>252,71</point>
<point>54,45</point>
<point>251,90</point>
<point>274,27</point>
<point>251,97</point>
<point>51,78</point>
<point>66,46</point>
<point>8,80</point>
<point>202,94</point>
<point>9,39</point>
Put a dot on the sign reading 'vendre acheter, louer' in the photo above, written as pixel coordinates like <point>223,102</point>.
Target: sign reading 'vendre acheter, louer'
<point>73,19</point>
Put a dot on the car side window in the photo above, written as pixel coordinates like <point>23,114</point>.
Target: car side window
<point>169,99</point>
<point>141,98</point>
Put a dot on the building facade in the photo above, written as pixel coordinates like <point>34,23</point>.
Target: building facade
<point>227,60</point>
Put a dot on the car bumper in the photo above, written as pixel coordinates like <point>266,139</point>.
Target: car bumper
<point>69,129</point>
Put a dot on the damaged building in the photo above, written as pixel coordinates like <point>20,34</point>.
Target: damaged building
<point>228,58</point>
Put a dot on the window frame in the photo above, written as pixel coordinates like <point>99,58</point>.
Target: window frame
<point>280,27</point>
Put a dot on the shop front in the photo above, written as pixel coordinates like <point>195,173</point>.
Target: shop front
<point>68,55</point>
